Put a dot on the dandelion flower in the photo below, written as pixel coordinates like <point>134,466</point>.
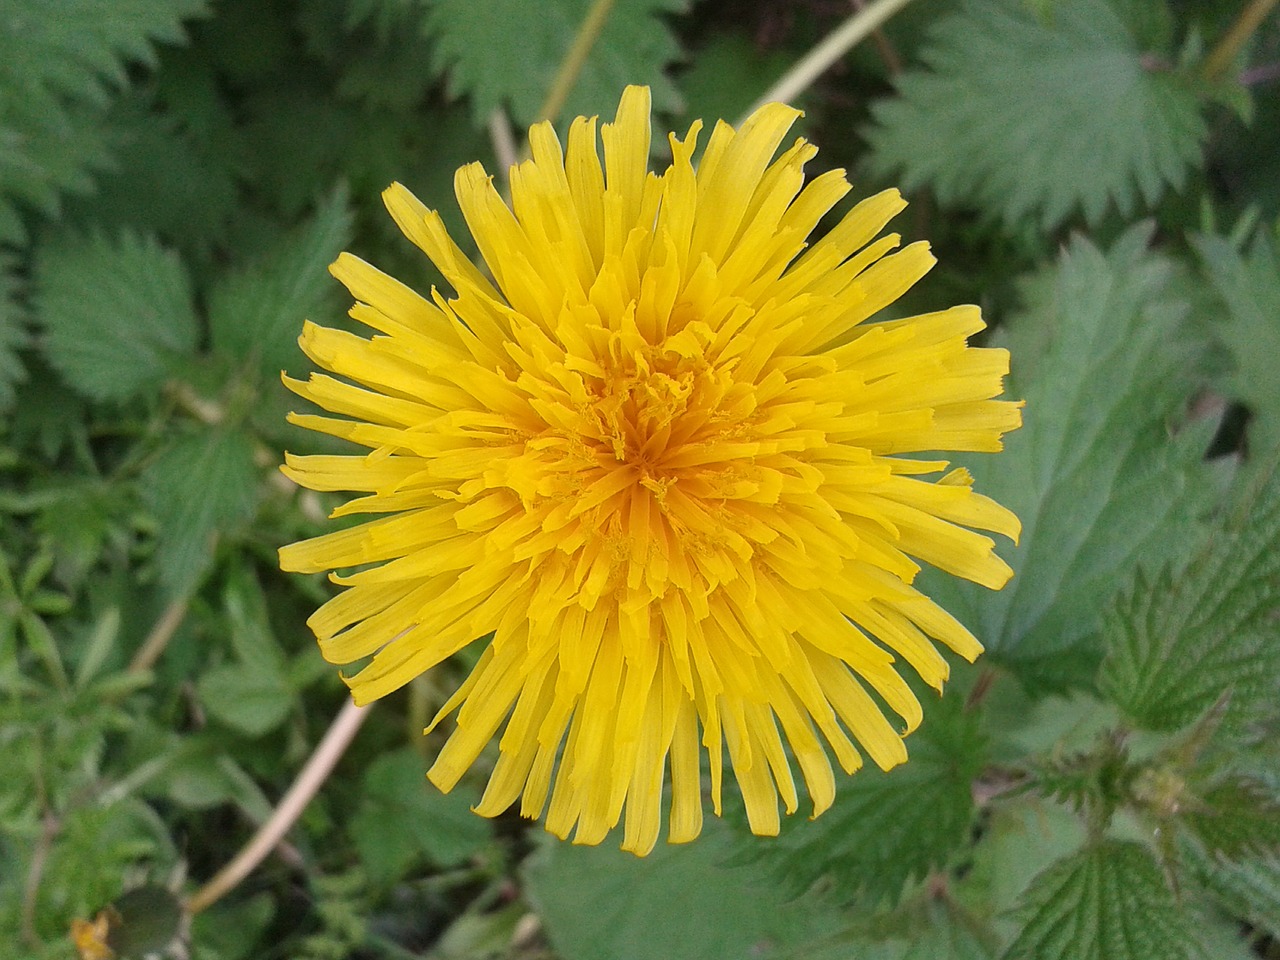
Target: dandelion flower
<point>659,460</point>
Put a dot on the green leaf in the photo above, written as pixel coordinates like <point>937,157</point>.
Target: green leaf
<point>114,314</point>
<point>1249,285</point>
<point>729,74</point>
<point>506,53</point>
<point>1249,889</point>
<point>1236,818</point>
<point>1177,642</point>
<point>1032,116</point>
<point>680,901</point>
<point>256,313</point>
<point>13,335</point>
<point>1107,902</point>
<point>403,818</point>
<point>251,699</point>
<point>59,62</point>
<point>886,829</point>
<point>931,929</point>
<point>1094,474</point>
<point>199,486</point>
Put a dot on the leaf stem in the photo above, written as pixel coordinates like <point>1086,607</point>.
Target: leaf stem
<point>575,60</point>
<point>815,63</point>
<point>1222,55</point>
<point>159,637</point>
<point>286,813</point>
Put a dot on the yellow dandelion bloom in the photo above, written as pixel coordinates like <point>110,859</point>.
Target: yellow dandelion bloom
<point>659,456</point>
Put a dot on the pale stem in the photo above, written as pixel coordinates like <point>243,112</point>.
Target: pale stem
<point>574,60</point>
<point>1221,56</point>
<point>504,142</point>
<point>815,63</point>
<point>159,636</point>
<point>286,813</point>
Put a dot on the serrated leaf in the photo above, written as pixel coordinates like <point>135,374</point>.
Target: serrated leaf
<point>256,313</point>
<point>115,314</point>
<point>1236,818</point>
<point>1249,889</point>
<point>1033,115</point>
<point>1177,642</point>
<point>886,829</point>
<point>505,53</point>
<point>1107,902</point>
<point>402,818</point>
<point>59,61</point>
<point>680,901</point>
<point>201,485</point>
<point>1093,474</point>
<point>931,930</point>
<point>1249,285</point>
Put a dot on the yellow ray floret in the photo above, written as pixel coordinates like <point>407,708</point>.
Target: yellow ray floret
<point>659,457</point>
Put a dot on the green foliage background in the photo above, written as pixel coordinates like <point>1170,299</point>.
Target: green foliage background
<point>175,176</point>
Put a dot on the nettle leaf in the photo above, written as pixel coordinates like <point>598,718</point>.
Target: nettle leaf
<point>59,62</point>
<point>505,54</point>
<point>1236,818</point>
<point>1249,889</point>
<point>1036,115</point>
<point>13,334</point>
<point>933,929</point>
<point>115,314</point>
<point>680,901</point>
<point>1175,643</point>
<point>402,819</point>
<point>1093,474</point>
<point>200,486</point>
<point>1249,285</point>
<point>256,313</point>
<point>1107,902</point>
<point>886,829</point>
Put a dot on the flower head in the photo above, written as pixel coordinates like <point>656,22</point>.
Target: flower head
<point>659,457</point>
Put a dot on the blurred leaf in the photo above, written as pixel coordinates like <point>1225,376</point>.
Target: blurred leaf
<point>13,336</point>
<point>115,314</point>
<point>199,486</point>
<point>232,930</point>
<point>930,929</point>
<point>1035,115</point>
<point>1176,643</point>
<point>145,920</point>
<point>403,818</point>
<point>727,75</point>
<point>1107,902</point>
<point>1249,889</point>
<point>680,901</point>
<point>256,313</point>
<point>505,54</point>
<point>1249,284</point>
<point>251,699</point>
<point>1236,818</point>
<point>1094,474</point>
<point>886,829</point>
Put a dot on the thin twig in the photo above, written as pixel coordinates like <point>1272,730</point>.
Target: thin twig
<point>892,61</point>
<point>1222,55</point>
<point>286,813</point>
<point>159,636</point>
<point>575,60</point>
<point>815,63</point>
<point>35,873</point>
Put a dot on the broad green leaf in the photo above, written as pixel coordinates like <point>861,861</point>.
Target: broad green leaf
<point>1236,818</point>
<point>59,62</point>
<point>256,313</point>
<point>13,335</point>
<point>1032,115</point>
<point>1249,284</point>
<point>886,829</point>
<point>505,53</point>
<point>1107,902</point>
<point>1177,642</point>
<point>201,485</point>
<point>115,314</point>
<point>1094,474</point>
<point>403,819</point>
<point>680,901</point>
<point>933,929</point>
<point>251,699</point>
